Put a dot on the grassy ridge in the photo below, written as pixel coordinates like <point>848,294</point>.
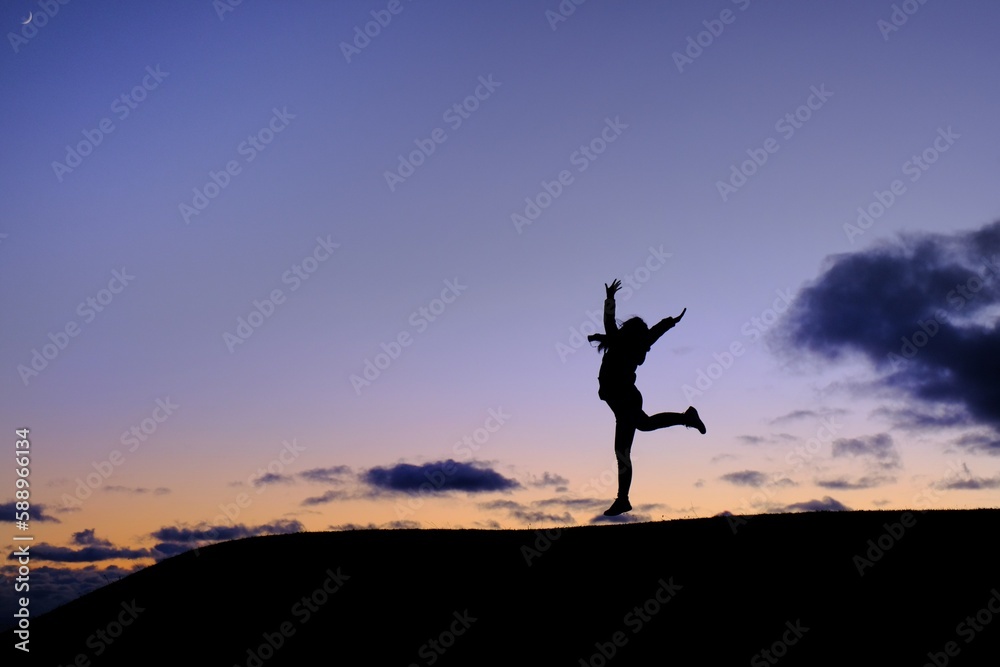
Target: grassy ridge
<point>819,588</point>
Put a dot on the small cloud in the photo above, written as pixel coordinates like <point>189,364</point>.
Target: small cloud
<point>330,475</point>
<point>272,478</point>
<point>751,439</point>
<point>925,418</point>
<point>866,482</point>
<point>38,512</point>
<point>980,443</point>
<point>323,499</point>
<point>208,533</point>
<point>87,554</point>
<point>117,488</point>
<point>795,415</point>
<point>745,478</point>
<point>550,479</point>
<point>438,477</point>
<point>970,483</point>
<point>879,450</point>
<point>827,504</point>
<point>798,415</point>
<point>87,537</point>
<point>510,505</point>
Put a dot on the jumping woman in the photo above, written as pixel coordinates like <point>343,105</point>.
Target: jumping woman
<point>624,350</point>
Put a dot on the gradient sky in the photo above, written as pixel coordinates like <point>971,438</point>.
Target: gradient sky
<point>619,101</point>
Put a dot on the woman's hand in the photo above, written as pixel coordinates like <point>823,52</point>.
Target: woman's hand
<point>675,320</point>
<point>612,288</point>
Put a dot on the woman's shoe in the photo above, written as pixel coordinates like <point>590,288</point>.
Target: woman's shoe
<point>693,420</point>
<point>620,506</point>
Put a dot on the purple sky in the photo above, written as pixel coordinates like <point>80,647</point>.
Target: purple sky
<point>215,221</point>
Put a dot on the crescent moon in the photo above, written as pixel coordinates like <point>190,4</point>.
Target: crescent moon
<point>27,20</point>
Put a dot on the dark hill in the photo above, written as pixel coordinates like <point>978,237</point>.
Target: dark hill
<point>690,592</point>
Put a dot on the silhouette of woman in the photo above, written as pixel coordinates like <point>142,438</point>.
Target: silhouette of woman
<point>624,350</point>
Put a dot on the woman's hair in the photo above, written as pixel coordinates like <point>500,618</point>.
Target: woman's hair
<point>632,332</point>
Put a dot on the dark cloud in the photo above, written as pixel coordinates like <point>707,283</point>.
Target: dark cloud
<point>327,497</point>
<point>117,488</point>
<point>272,478</point>
<point>206,533</point>
<point>970,483</point>
<point>331,474</point>
<point>878,451</point>
<point>925,418</point>
<point>745,478</point>
<point>866,482</point>
<point>438,477</point>
<point>550,479</point>
<point>87,537</point>
<point>52,586</point>
<point>920,310</point>
<point>37,513</point>
<point>827,504</point>
<point>980,443</point>
<point>87,554</point>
